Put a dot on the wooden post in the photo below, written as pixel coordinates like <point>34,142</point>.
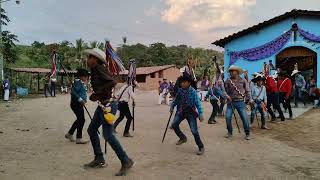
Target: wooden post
<point>38,82</point>
<point>31,83</point>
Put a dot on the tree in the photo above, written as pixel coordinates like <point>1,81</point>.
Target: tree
<point>80,46</point>
<point>93,44</point>
<point>8,49</point>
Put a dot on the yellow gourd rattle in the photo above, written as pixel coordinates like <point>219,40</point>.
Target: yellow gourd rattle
<point>108,116</point>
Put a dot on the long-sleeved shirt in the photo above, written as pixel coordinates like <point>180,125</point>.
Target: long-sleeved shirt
<point>164,85</point>
<point>102,82</point>
<point>78,91</point>
<point>192,100</point>
<point>242,85</point>
<point>259,93</point>
<point>271,85</point>
<point>215,93</point>
<point>6,84</point>
<point>285,86</point>
<point>205,85</point>
<point>126,93</point>
<point>299,81</point>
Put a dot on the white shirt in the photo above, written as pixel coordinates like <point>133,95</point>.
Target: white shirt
<point>127,93</point>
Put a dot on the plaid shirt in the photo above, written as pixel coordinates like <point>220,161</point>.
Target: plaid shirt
<point>192,100</point>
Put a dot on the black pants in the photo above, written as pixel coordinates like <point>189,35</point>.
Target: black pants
<point>123,107</point>
<point>78,110</point>
<point>286,102</point>
<point>53,89</point>
<point>215,109</point>
<point>273,99</point>
<point>46,89</point>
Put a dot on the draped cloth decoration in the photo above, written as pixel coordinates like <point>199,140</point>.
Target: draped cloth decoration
<point>53,74</point>
<point>263,51</point>
<point>309,36</point>
<point>115,64</point>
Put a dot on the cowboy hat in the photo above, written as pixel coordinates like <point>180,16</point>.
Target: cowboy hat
<point>98,53</point>
<point>294,72</point>
<point>235,68</point>
<point>275,75</point>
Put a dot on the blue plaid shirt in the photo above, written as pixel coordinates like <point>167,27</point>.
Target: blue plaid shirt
<point>192,100</point>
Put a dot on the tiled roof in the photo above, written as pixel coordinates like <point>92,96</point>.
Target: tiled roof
<point>293,13</point>
<point>149,70</point>
<point>40,70</point>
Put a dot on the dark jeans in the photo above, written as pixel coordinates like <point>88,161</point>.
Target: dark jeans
<point>240,106</point>
<point>46,89</point>
<point>258,107</point>
<point>192,121</point>
<point>223,102</point>
<point>273,99</point>
<point>286,102</point>
<point>77,108</point>
<point>123,107</point>
<point>215,109</point>
<point>53,89</point>
<point>298,93</point>
<point>107,130</point>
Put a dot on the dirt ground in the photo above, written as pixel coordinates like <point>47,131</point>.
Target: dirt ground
<point>32,146</point>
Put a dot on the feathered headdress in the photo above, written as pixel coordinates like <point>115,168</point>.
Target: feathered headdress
<point>115,64</point>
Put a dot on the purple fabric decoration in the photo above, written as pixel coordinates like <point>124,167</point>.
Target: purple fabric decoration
<point>309,36</point>
<point>263,51</point>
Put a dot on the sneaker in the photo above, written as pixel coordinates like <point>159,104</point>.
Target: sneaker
<point>228,136</point>
<point>81,141</point>
<point>96,163</point>
<point>212,122</point>
<point>69,136</point>
<point>181,141</point>
<point>127,135</point>
<point>201,151</point>
<point>264,127</point>
<point>290,117</point>
<point>125,167</point>
<point>247,137</point>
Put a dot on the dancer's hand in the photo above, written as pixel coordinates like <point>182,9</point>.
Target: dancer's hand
<point>229,99</point>
<point>134,104</point>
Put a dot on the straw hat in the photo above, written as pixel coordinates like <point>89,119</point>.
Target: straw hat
<point>235,68</point>
<point>98,53</point>
<point>294,72</point>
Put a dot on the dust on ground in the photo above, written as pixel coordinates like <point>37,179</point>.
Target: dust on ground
<point>33,146</point>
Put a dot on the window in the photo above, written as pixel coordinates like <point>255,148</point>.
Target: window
<point>153,75</point>
<point>141,78</point>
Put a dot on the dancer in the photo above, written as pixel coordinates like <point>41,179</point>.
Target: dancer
<point>124,95</point>
<point>78,100</point>
<point>187,102</point>
<point>238,94</point>
<point>300,85</point>
<point>6,89</point>
<point>103,85</point>
<point>285,87</point>
<point>215,94</point>
<point>259,98</point>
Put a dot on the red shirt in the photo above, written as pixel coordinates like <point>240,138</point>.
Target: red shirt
<point>285,86</point>
<point>271,85</point>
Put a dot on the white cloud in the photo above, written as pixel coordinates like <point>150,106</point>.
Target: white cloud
<point>139,22</point>
<point>203,17</point>
<point>153,11</point>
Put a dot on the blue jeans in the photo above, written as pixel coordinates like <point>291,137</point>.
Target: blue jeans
<point>192,121</point>
<point>298,96</point>
<point>240,107</point>
<point>98,120</point>
<point>258,107</point>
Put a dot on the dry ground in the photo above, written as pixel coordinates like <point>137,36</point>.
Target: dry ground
<point>32,146</point>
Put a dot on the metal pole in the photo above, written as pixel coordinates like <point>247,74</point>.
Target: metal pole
<point>1,57</point>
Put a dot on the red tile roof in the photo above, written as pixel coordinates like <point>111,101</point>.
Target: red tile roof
<point>39,70</point>
<point>149,70</point>
<point>293,13</point>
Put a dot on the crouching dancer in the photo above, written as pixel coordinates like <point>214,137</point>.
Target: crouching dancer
<point>103,85</point>
<point>187,101</point>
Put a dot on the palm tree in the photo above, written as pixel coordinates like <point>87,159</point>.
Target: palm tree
<point>80,45</point>
<point>94,44</point>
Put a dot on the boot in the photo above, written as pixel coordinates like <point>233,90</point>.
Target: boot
<point>96,163</point>
<point>181,141</point>
<point>212,122</point>
<point>247,137</point>
<point>125,167</point>
<point>228,135</point>
<point>81,141</point>
<point>127,135</point>
<point>69,136</point>
<point>201,151</point>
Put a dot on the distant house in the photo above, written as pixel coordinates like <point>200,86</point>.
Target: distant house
<point>149,77</point>
<point>293,37</point>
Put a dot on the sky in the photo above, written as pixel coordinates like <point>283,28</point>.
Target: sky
<point>196,23</point>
